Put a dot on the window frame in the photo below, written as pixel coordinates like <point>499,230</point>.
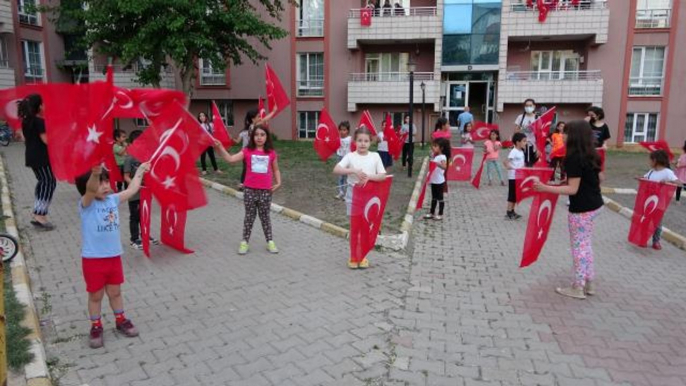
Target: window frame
<point>309,134</point>
<point>141,123</point>
<point>638,82</point>
<point>309,87</point>
<point>308,27</point>
<point>225,107</point>
<point>212,74</point>
<point>644,133</point>
<point>28,74</point>
<point>32,19</point>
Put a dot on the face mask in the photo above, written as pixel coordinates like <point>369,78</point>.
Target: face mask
<point>529,109</point>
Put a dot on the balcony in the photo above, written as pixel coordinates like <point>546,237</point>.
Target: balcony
<point>551,87</point>
<point>390,88</point>
<point>645,86</point>
<point>6,20</point>
<point>126,76</point>
<point>310,28</point>
<point>653,18</point>
<point>409,25</point>
<point>310,87</point>
<point>588,19</point>
<point>6,75</point>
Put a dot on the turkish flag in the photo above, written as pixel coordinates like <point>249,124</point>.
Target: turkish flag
<point>477,177</point>
<point>276,95</point>
<point>326,139</point>
<point>652,201</point>
<point>173,228</point>
<point>507,144</point>
<point>142,102</point>
<point>9,99</point>
<point>482,130</point>
<point>220,131</point>
<point>367,121</point>
<point>601,153</point>
<point>540,218</point>
<point>541,129</point>
<point>422,194</point>
<point>395,144</point>
<point>460,167</point>
<point>366,17</point>
<point>542,11</point>
<point>260,108</point>
<point>658,145</point>
<point>525,179</point>
<point>145,210</point>
<point>369,203</point>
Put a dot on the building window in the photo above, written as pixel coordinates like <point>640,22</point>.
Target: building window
<point>555,65</point>
<point>33,60</point>
<point>471,32</point>
<point>4,61</point>
<point>385,67</point>
<point>647,66</point>
<point>310,18</point>
<point>653,13</point>
<point>141,122</point>
<point>640,127</point>
<point>311,74</point>
<point>27,12</point>
<point>307,123</point>
<point>210,76</point>
<point>226,111</point>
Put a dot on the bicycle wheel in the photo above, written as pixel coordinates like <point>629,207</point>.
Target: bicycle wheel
<point>8,247</point>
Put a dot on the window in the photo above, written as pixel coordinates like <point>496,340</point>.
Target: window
<point>311,74</point>
<point>33,60</point>
<point>210,76</point>
<point>307,123</point>
<point>640,127</point>
<point>471,32</point>
<point>310,18</point>
<point>653,13</point>
<point>226,111</point>
<point>555,65</point>
<point>647,64</point>
<point>27,12</point>
<point>141,122</point>
<point>389,66</point>
<point>4,63</point>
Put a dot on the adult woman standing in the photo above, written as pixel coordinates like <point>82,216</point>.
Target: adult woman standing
<point>582,165</point>
<point>523,124</point>
<point>30,110</point>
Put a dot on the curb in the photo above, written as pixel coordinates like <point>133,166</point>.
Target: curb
<point>670,236</point>
<point>36,372</point>
<point>607,190</point>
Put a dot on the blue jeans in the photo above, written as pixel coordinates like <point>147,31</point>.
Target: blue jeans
<point>342,180</point>
<point>490,164</point>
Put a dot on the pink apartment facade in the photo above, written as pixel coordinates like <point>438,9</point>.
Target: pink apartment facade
<point>627,56</point>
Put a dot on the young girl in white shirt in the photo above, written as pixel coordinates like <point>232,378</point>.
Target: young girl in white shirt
<point>466,137</point>
<point>440,152</point>
<point>660,172</point>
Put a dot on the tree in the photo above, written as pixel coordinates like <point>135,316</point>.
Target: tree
<point>177,32</point>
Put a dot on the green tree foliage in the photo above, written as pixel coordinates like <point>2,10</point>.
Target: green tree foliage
<point>176,32</point>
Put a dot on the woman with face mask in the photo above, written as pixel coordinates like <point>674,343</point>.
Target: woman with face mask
<point>523,124</point>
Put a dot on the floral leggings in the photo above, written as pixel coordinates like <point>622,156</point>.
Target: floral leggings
<point>580,233</point>
<point>257,202</point>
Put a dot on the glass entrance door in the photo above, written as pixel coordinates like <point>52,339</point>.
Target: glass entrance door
<point>478,95</point>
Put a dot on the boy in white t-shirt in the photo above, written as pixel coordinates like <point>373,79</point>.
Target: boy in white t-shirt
<point>515,160</point>
<point>343,150</point>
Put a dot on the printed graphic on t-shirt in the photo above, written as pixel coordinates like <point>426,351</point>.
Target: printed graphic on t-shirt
<point>259,163</point>
<point>109,219</point>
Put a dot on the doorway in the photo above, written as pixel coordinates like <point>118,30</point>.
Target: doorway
<point>479,95</point>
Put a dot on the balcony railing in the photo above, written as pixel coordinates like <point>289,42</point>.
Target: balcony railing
<point>645,86</point>
<point>395,12</point>
<point>311,27</point>
<point>653,18</point>
<point>553,75</point>
<point>389,76</point>
<point>34,72</point>
<point>311,87</point>
<point>212,79</point>
<point>566,5</point>
<point>101,68</point>
<point>4,63</point>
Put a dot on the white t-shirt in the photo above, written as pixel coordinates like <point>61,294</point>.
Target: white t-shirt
<point>525,125</point>
<point>663,175</point>
<point>405,129</point>
<point>516,159</point>
<point>369,163</point>
<point>345,146</point>
<point>438,175</point>
<point>245,138</point>
<point>383,145</point>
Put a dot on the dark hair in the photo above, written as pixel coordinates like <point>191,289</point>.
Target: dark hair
<point>560,123</point>
<point>444,145</point>
<point>344,124</point>
<point>660,158</point>
<point>598,111</point>
<point>82,180</point>
<point>268,144</point>
<point>134,135</point>
<point>497,134</point>
<point>439,123</point>
<point>516,137</point>
<point>118,133</point>
<point>362,130</point>
<point>249,116</point>
<point>529,100</point>
<point>207,119</point>
<point>465,126</point>
<point>684,148</point>
<point>580,144</point>
<point>29,107</point>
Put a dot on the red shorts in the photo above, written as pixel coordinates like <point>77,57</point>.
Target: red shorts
<point>101,272</point>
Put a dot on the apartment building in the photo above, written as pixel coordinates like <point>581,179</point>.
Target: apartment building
<point>627,56</point>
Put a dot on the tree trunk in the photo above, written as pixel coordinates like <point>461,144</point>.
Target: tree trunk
<point>187,84</point>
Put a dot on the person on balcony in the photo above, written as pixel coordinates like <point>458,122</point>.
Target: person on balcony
<point>387,8</point>
<point>398,9</point>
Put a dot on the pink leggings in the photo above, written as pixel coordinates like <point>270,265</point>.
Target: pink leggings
<point>580,232</point>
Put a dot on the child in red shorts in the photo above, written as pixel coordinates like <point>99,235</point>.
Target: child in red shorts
<point>101,247</point>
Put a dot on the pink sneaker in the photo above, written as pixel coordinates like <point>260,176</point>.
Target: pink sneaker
<point>127,328</point>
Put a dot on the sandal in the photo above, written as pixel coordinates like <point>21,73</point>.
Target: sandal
<point>47,226</point>
<point>428,216</point>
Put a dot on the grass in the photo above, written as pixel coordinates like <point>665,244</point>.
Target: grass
<point>18,347</point>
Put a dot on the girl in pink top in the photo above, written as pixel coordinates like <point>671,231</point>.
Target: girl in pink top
<point>442,129</point>
<point>681,172</point>
<point>492,148</point>
<point>261,169</point>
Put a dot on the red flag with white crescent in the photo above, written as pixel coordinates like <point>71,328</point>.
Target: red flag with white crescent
<point>327,139</point>
<point>366,17</point>
<point>658,145</point>
<point>395,144</point>
<point>142,102</point>
<point>367,121</point>
<point>525,179</point>
<point>422,194</point>
<point>276,95</point>
<point>477,177</point>
<point>541,129</point>
<point>652,201</point>
<point>460,165</point>
<point>602,154</point>
<point>221,133</point>
<point>173,228</point>
<point>145,210</point>
<point>366,216</point>
<point>482,130</point>
<point>542,10</point>
<point>260,108</point>
<point>538,226</point>
<point>9,98</point>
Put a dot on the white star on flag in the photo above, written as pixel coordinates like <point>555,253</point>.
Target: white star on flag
<point>168,182</point>
<point>93,134</point>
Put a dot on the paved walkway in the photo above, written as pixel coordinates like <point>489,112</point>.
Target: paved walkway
<point>457,312</point>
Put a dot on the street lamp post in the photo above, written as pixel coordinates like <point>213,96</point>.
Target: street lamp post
<point>410,156</point>
<point>423,86</point>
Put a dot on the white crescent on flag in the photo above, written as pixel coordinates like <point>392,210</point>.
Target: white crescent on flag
<point>375,201</point>
<point>651,200</point>
<point>524,186</point>
<point>319,129</point>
